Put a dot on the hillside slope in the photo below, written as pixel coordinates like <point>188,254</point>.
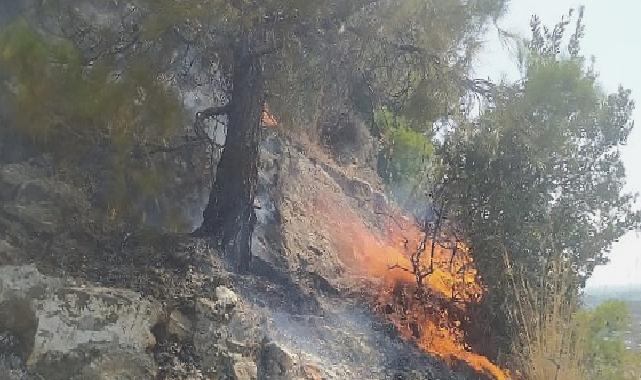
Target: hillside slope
<point>82,300</point>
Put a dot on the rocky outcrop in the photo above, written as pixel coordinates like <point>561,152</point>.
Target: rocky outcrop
<point>226,336</point>
<point>138,305</point>
<point>43,204</point>
<point>70,332</point>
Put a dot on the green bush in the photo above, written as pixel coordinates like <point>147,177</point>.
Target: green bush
<point>404,161</point>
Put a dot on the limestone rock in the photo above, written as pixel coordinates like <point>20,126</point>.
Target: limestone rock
<point>69,332</point>
<point>75,317</point>
<point>226,301</point>
<point>225,298</point>
<point>225,330</point>
<point>276,362</point>
<point>179,326</point>
<point>243,368</point>
<point>279,363</point>
<point>8,253</point>
<point>311,372</point>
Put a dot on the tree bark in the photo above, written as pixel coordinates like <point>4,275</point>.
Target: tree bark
<point>229,217</point>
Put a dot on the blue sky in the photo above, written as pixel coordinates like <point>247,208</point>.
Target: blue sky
<point>613,37</point>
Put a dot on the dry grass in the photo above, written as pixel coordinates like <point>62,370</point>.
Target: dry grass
<point>548,347</point>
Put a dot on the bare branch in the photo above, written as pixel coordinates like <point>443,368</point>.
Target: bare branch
<point>211,112</point>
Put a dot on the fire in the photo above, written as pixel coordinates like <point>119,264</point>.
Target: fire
<point>267,119</point>
<point>433,320</point>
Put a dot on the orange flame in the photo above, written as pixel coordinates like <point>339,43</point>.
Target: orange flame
<point>435,325</point>
<point>267,119</point>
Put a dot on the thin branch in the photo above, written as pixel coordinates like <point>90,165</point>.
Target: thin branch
<point>211,112</point>
<point>397,266</point>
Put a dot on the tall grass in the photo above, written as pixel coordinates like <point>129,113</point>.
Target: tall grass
<point>549,345</point>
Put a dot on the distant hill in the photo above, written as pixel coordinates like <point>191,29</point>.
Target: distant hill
<point>594,296</point>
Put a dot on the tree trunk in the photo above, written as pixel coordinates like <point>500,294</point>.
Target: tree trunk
<point>229,216</point>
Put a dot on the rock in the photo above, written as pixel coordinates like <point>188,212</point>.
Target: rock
<point>243,368</point>
<point>39,203</point>
<point>8,253</point>
<point>110,365</point>
<point>311,372</point>
<point>379,203</point>
<point>225,298</point>
<point>224,330</point>
<point>72,333</point>
<point>276,362</point>
<point>81,317</point>
<point>179,326</point>
<point>25,282</point>
<point>226,301</point>
<point>206,308</point>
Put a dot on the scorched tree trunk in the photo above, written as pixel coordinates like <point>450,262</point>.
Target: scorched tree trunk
<point>229,216</point>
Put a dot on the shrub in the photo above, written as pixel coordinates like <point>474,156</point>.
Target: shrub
<point>96,115</point>
<point>405,158</point>
<point>558,339</point>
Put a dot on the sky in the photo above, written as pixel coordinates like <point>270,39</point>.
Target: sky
<point>613,37</point>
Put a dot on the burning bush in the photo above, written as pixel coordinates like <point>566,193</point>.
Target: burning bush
<point>428,309</point>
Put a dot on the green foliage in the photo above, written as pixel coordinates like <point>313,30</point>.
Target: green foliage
<point>233,18</point>
<point>85,114</point>
<point>331,54</point>
<point>165,15</point>
<point>418,54</point>
<point>539,177</point>
<point>405,157</point>
<point>292,31</point>
<point>604,353</point>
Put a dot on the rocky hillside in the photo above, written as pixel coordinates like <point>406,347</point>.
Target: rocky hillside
<point>85,297</point>
<point>83,301</point>
<point>296,189</point>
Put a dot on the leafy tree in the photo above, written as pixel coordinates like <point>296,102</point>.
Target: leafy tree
<point>605,355</point>
<point>251,31</point>
<point>272,35</point>
<point>311,59</point>
<point>415,72</point>
<point>88,116</point>
<point>539,176</point>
